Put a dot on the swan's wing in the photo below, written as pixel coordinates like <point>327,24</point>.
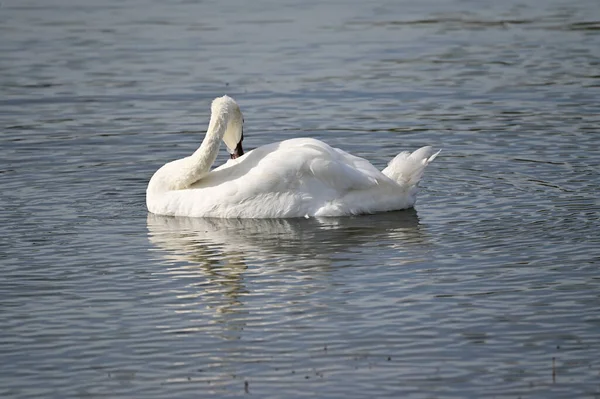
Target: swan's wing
<point>294,165</point>
<point>361,164</point>
<point>340,176</point>
<point>341,171</point>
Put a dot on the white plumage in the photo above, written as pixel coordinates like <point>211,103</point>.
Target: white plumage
<point>301,177</point>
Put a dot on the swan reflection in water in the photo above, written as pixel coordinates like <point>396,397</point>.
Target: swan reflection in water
<point>216,258</point>
<point>208,241</point>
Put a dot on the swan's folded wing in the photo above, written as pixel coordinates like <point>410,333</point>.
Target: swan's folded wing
<point>341,176</point>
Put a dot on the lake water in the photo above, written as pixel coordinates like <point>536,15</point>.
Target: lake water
<point>489,288</point>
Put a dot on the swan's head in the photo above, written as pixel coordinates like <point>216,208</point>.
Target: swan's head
<point>227,108</point>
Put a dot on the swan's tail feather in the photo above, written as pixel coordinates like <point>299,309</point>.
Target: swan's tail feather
<point>407,169</point>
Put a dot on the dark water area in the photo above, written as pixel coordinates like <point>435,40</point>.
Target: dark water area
<point>489,288</point>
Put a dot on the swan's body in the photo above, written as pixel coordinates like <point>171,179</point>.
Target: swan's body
<point>293,178</point>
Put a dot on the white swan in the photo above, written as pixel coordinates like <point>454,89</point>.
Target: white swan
<point>300,177</point>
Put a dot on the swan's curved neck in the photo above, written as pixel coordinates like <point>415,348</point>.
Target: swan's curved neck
<point>203,158</point>
<point>182,173</point>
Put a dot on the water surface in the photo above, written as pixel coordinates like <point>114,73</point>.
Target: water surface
<point>488,288</point>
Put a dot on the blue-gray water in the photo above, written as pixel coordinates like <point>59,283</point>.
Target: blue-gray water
<point>472,294</point>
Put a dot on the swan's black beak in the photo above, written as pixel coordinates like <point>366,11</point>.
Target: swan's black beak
<point>238,152</point>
